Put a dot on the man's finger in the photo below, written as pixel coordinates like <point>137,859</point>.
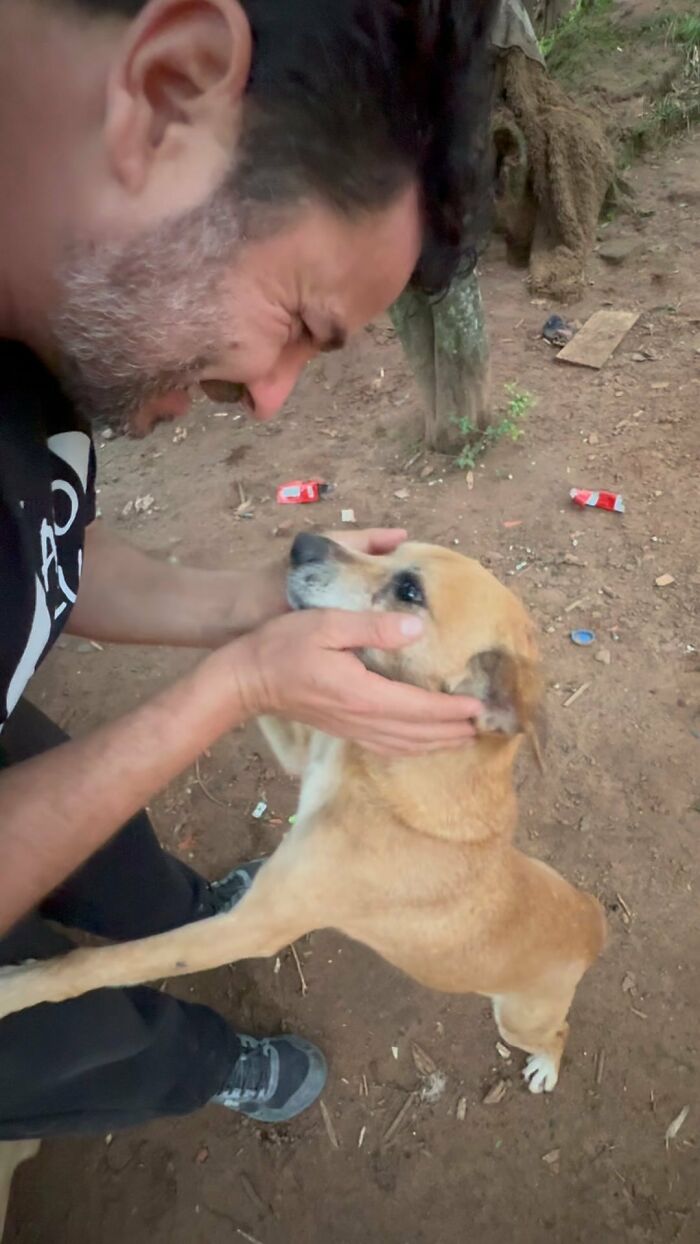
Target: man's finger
<point>347,630</point>
<point>375,540</point>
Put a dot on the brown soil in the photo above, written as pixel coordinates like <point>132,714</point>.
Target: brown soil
<point>613,812</point>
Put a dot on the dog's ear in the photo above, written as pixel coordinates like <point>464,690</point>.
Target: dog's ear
<point>510,689</point>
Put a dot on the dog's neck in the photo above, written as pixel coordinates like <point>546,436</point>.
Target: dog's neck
<point>465,795</point>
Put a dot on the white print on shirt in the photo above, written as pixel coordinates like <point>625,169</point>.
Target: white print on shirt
<point>74,449</point>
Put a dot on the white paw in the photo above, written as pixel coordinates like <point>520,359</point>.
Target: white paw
<point>540,1073</point>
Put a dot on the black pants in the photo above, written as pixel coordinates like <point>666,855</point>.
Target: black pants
<point>114,1057</point>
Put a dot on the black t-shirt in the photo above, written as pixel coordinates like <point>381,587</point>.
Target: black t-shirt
<point>47,499</point>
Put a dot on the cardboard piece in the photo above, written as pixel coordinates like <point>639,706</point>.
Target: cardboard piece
<point>598,339</point>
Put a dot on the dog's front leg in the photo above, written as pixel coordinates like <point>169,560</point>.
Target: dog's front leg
<point>277,910</point>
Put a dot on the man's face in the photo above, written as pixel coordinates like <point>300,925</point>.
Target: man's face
<point>141,321</point>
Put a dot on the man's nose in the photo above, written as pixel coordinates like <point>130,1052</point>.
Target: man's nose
<point>269,394</point>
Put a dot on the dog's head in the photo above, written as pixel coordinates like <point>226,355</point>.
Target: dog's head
<point>477,639</point>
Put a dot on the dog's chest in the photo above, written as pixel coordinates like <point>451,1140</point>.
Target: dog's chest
<point>321,777</point>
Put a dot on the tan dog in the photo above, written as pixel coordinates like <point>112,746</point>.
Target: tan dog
<point>414,856</point>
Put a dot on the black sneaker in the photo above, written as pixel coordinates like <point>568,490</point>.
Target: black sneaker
<point>274,1079</point>
<point>230,890</point>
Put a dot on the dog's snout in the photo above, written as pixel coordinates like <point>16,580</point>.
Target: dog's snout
<point>309,548</point>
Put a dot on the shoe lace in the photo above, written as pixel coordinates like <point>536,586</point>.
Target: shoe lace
<point>250,1080</point>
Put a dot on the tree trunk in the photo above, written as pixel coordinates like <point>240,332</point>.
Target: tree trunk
<point>446,343</point>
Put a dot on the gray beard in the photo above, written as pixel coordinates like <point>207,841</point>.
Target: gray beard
<point>144,317</point>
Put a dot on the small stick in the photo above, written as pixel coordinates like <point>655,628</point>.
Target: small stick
<point>575,604</point>
<point>328,1124</point>
<point>250,1238</point>
<point>575,695</point>
<point>361,1137</point>
<point>295,956</point>
<point>399,1118</point>
<point>600,1066</point>
<point>623,905</point>
<point>364,1086</point>
<point>253,1194</point>
<point>205,789</point>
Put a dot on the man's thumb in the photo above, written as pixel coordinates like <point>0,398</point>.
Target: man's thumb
<point>374,630</point>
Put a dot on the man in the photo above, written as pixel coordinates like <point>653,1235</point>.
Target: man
<point>203,193</point>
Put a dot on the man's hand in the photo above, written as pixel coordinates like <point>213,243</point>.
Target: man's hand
<point>261,594</point>
<point>303,667</point>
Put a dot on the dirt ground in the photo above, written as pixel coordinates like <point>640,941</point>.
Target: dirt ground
<point>618,809</point>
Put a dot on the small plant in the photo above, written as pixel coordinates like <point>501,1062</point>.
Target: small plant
<point>478,440</point>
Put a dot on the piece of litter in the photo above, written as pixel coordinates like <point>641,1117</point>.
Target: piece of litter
<point>107,434</point>
<point>582,638</point>
<point>259,810</point>
<point>576,694</point>
<point>558,331</point>
<point>179,435</point>
<point>361,1137</point>
<point>278,965</point>
<point>598,339</point>
<point>347,516</point>
<point>503,1050</point>
<point>676,1124</point>
<point>552,1157</point>
<point>461,1111</point>
<point>520,566</point>
<point>402,494</point>
<point>512,522</point>
<point>143,504</point>
<point>302,492</point>
<point>664,580</point>
<point>496,1093</point>
<point>328,1124</point>
<point>598,499</point>
<point>109,1138</point>
<point>292,819</point>
<point>433,1087</point>
<point>395,1051</point>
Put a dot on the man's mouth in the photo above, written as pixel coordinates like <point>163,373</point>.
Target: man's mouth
<point>163,408</point>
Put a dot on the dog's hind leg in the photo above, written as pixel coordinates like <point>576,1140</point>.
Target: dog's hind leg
<point>534,1020</point>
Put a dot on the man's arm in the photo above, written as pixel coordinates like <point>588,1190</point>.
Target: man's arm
<point>128,597</point>
<point>60,807</point>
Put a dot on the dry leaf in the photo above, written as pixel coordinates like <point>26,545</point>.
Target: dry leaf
<point>423,1063</point>
<point>551,1157</point>
<point>496,1094</point>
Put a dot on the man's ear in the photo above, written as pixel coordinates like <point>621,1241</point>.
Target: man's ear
<point>510,689</point>
<point>185,63</point>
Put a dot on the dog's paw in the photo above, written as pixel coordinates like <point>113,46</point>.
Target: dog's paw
<point>541,1073</point>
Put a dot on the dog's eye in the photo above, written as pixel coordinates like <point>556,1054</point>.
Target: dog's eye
<point>408,589</point>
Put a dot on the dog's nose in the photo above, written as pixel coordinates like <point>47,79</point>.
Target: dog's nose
<point>308,548</point>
